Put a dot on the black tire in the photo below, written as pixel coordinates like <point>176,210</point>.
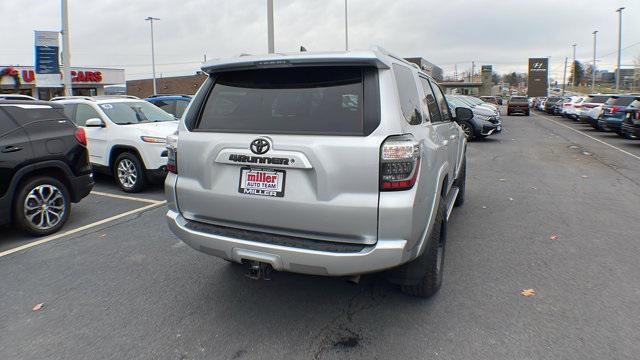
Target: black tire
<point>129,173</point>
<point>461,183</point>
<point>469,131</point>
<point>508,113</point>
<point>42,206</point>
<point>527,113</point>
<point>432,260</point>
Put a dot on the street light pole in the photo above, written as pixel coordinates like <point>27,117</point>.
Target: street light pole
<point>270,26</point>
<point>66,54</point>
<point>619,11</point>
<point>564,76</point>
<point>573,68</point>
<point>593,67</point>
<point>153,54</point>
<point>346,27</point>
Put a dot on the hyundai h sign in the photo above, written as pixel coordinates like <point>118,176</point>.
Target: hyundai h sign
<point>538,76</point>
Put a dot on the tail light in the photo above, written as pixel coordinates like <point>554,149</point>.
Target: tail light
<point>81,136</point>
<point>577,106</point>
<point>614,109</point>
<point>172,153</point>
<point>399,163</point>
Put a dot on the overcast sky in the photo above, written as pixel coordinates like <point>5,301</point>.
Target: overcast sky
<point>503,33</point>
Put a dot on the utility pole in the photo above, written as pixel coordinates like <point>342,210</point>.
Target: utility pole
<point>473,70</point>
<point>564,76</point>
<point>593,67</point>
<point>619,11</point>
<point>346,27</point>
<point>573,68</point>
<point>270,41</point>
<point>66,53</point>
<point>153,54</point>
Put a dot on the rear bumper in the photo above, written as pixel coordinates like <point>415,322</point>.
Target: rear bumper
<point>630,130</point>
<point>80,186</point>
<point>383,255</point>
<point>518,109</point>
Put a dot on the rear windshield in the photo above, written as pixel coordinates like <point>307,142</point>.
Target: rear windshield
<point>620,101</point>
<point>301,100</point>
<point>597,99</point>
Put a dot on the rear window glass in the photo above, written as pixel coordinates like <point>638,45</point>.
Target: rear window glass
<point>596,99</point>
<point>25,114</point>
<point>301,100</point>
<point>620,101</point>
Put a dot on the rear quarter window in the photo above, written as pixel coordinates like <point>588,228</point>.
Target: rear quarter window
<point>297,100</point>
<point>408,94</point>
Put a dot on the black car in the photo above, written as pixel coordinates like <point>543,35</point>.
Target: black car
<point>630,127</point>
<point>44,165</point>
<point>551,104</point>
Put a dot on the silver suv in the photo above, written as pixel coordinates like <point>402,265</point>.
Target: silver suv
<point>335,164</point>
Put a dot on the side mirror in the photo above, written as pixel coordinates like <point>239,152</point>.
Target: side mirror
<point>94,122</point>
<point>463,114</point>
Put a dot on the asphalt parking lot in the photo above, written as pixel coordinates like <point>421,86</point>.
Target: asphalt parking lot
<point>551,206</point>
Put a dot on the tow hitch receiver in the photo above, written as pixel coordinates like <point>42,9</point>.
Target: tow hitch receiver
<point>258,270</point>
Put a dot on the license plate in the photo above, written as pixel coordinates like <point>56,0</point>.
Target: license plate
<point>262,182</point>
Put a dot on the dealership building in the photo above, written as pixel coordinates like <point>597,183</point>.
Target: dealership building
<point>85,81</point>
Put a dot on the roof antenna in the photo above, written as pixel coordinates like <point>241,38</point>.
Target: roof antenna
<point>303,49</point>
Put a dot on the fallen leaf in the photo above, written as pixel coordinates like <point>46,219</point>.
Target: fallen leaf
<point>528,292</point>
<point>38,307</point>
<point>510,199</point>
<point>503,180</point>
<point>103,235</point>
<point>484,207</point>
<point>585,176</point>
<point>534,188</point>
<point>553,237</point>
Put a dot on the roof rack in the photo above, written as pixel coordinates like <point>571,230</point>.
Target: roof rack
<point>159,95</point>
<point>116,97</point>
<point>88,98</point>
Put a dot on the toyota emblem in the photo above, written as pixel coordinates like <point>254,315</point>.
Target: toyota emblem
<point>259,146</point>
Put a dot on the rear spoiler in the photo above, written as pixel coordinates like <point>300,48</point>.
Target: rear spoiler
<point>368,58</point>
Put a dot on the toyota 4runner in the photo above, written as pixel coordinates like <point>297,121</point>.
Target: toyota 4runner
<point>335,164</point>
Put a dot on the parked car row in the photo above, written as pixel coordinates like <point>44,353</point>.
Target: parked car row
<point>486,116</point>
<point>604,112</point>
<point>50,149</point>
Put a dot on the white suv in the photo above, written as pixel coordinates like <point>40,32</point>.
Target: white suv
<point>126,136</point>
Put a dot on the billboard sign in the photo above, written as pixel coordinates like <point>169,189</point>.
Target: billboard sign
<point>47,59</point>
<point>538,77</point>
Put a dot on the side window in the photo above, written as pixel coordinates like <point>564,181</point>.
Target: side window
<point>83,113</point>
<point>408,94</point>
<point>442,102</point>
<point>6,124</point>
<point>429,102</point>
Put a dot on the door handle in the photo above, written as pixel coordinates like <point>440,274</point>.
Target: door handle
<point>453,137</point>
<point>11,148</point>
<point>445,142</point>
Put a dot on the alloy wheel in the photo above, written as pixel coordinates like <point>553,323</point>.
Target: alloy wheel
<point>44,206</point>
<point>468,131</point>
<point>127,173</point>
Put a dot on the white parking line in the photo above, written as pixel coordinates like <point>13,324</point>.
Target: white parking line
<point>81,228</point>
<point>591,137</point>
<point>126,197</point>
